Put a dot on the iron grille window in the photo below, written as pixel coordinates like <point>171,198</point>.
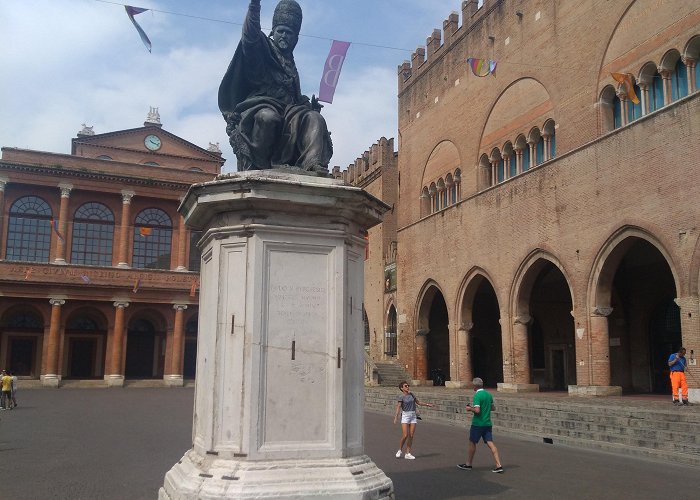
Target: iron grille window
<point>29,230</point>
<point>93,233</point>
<point>152,239</point>
<point>390,334</point>
<point>24,321</point>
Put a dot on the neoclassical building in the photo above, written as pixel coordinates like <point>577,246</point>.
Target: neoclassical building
<point>98,273</point>
<point>548,225</point>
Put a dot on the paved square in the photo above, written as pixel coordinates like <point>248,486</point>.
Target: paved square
<point>117,444</point>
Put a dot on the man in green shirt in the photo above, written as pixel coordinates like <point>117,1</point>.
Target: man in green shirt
<point>481,425</point>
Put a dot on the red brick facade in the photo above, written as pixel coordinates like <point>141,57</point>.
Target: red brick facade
<point>95,278</point>
<point>547,225</point>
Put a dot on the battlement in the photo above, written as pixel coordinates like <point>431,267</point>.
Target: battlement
<point>380,155</point>
<point>435,44</point>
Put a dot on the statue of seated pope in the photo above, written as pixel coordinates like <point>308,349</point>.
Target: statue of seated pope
<point>270,123</point>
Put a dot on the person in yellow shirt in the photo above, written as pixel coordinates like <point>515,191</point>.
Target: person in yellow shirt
<point>6,383</point>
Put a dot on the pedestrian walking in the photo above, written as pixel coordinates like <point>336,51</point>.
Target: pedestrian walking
<point>406,407</point>
<point>481,425</point>
<point>678,364</point>
<point>6,385</point>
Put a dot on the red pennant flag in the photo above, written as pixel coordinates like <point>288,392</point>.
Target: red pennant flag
<point>145,231</point>
<point>193,288</point>
<point>137,285</point>
<point>28,273</point>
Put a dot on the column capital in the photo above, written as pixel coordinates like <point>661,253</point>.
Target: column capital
<point>127,195</point>
<point>3,182</point>
<point>466,326</point>
<point>65,189</point>
<point>601,311</point>
<point>57,302</point>
<point>123,304</point>
<point>180,307</point>
<point>665,73</point>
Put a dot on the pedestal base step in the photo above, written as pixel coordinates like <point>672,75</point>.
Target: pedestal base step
<point>196,477</point>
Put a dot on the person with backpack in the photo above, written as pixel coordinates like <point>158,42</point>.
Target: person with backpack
<point>406,407</point>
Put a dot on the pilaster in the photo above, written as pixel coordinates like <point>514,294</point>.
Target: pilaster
<point>52,377</point>
<point>123,261</point>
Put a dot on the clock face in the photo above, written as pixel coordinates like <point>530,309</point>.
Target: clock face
<point>152,142</point>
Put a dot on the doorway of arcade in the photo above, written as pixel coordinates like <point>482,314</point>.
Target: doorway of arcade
<point>644,325</point>
<point>145,350</point>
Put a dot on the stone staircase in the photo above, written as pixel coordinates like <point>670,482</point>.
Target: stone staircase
<point>633,426</point>
<point>391,373</point>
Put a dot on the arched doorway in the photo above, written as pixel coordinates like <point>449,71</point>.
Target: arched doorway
<point>438,338</point>
<point>544,308</point>
<point>189,368</point>
<point>637,283</point>
<point>144,350</point>
<point>21,338</point>
<point>485,336</point>
<point>85,345</point>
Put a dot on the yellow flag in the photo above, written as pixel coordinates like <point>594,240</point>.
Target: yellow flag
<point>627,80</point>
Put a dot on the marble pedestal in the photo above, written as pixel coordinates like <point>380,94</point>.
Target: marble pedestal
<point>279,389</point>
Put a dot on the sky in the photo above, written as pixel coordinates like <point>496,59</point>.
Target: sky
<point>69,62</point>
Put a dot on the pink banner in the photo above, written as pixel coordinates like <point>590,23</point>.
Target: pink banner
<point>331,72</point>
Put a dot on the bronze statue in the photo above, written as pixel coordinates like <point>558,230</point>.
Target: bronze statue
<point>269,122</point>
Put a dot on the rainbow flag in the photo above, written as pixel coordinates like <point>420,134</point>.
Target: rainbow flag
<point>482,67</point>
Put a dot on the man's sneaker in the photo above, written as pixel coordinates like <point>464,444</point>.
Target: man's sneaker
<point>408,456</point>
<point>398,454</point>
<point>464,467</point>
<point>497,470</point>
<point>676,402</point>
<point>686,402</point>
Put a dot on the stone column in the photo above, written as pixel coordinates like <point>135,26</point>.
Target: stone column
<point>421,357</point>
<point>644,97</point>
<point>519,161</point>
<point>622,95</point>
<point>124,229</point>
<point>52,377</point>
<point>115,376</point>
<point>547,138</point>
<point>690,71</point>
<point>533,152</point>
<point>494,173</point>
<point>3,183</point>
<point>666,77</point>
<point>182,246</point>
<point>177,351</point>
<point>464,355</point>
<point>62,223</point>
<point>690,332</point>
<point>425,205</point>
<point>521,359</point>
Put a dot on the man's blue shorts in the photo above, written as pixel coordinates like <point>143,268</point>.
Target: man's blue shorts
<point>476,433</point>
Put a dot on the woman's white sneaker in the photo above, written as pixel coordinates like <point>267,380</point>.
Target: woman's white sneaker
<point>408,456</point>
<point>398,454</point>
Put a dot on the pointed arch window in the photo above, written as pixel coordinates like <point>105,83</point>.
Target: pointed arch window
<point>539,151</point>
<point>29,230</point>
<point>501,170</point>
<point>634,111</point>
<point>526,157</point>
<point>617,112</point>
<point>152,239</point>
<point>93,234</point>
<point>390,333</point>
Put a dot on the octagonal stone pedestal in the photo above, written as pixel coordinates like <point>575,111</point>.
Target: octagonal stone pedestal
<point>279,391</point>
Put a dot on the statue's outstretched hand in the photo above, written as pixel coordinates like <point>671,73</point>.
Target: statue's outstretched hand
<point>315,105</point>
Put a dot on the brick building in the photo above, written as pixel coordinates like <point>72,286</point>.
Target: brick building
<point>548,226</point>
<point>98,274</point>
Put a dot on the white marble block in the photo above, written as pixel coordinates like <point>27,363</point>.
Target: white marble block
<point>279,388</point>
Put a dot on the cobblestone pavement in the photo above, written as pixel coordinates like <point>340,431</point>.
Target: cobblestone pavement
<point>117,444</point>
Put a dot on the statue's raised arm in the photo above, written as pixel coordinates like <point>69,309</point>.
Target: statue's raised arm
<point>270,124</point>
